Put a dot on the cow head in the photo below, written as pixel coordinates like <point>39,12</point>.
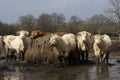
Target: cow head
<point>36,33</point>
<point>53,40</point>
<point>84,39</point>
<point>22,33</point>
<point>98,38</point>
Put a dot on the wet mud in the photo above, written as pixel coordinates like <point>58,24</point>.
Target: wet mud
<point>51,72</point>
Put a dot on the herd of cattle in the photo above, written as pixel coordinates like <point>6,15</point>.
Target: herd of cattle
<point>67,47</point>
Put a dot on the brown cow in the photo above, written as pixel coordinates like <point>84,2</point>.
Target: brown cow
<point>60,33</point>
<point>35,34</point>
<point>38,33</point>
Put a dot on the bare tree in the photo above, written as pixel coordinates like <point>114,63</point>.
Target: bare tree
<point>99,23</point>
<point>51,22</point>
<point>115,10</point>
<point>27,22</point>
<point>74,24</point>
<point>7,29</point>
<point>44,22</point>
<point>58,21</point>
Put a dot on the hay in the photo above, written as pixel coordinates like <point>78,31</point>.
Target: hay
<point>40,52</point>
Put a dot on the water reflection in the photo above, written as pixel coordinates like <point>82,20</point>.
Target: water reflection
<point>12,75</point>
<point>67,74</point>
<point>102,72</point>
<point>79,72</point>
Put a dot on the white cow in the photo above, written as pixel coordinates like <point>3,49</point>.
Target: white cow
<point>16,43</point>
<point>101,47</point>
<point>84,43</point>
<point>64,44</point>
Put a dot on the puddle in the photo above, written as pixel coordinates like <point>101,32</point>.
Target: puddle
<point>48,72</point>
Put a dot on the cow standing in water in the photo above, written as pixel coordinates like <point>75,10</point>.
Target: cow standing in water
<point>12,42</point>
<point>101,47</point>
<point>84,43</point>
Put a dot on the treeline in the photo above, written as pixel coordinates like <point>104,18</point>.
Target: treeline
<point>57,22</point>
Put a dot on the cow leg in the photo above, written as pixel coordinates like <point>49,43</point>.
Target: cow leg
<point>70,58</point>
<point>18,55</point>
<point>98,60</point>
<point>23,55</point>
<point>67,60</point>
<point>7,52</point>
<point>107,57</point>
<point>14,56</point>
<point>77,57</point>
<point>61,59</point>
<point>87,53</point>
<point>104,57</point>
<point>82,55</point>
<point>31,42</point>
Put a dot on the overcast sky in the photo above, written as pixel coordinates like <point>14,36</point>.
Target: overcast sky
<point>11,10</point>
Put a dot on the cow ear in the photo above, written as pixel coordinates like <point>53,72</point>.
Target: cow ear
<point>89,34</point>
<point>18,32</point>
<point>27,33</point>
<point>79,34</point>
<point>58,38</point>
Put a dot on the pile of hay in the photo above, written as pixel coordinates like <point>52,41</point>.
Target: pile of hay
<point>41,53</point>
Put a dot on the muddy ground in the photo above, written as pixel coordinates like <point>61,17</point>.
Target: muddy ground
<point>85,71</point>
<point>51,72</point>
